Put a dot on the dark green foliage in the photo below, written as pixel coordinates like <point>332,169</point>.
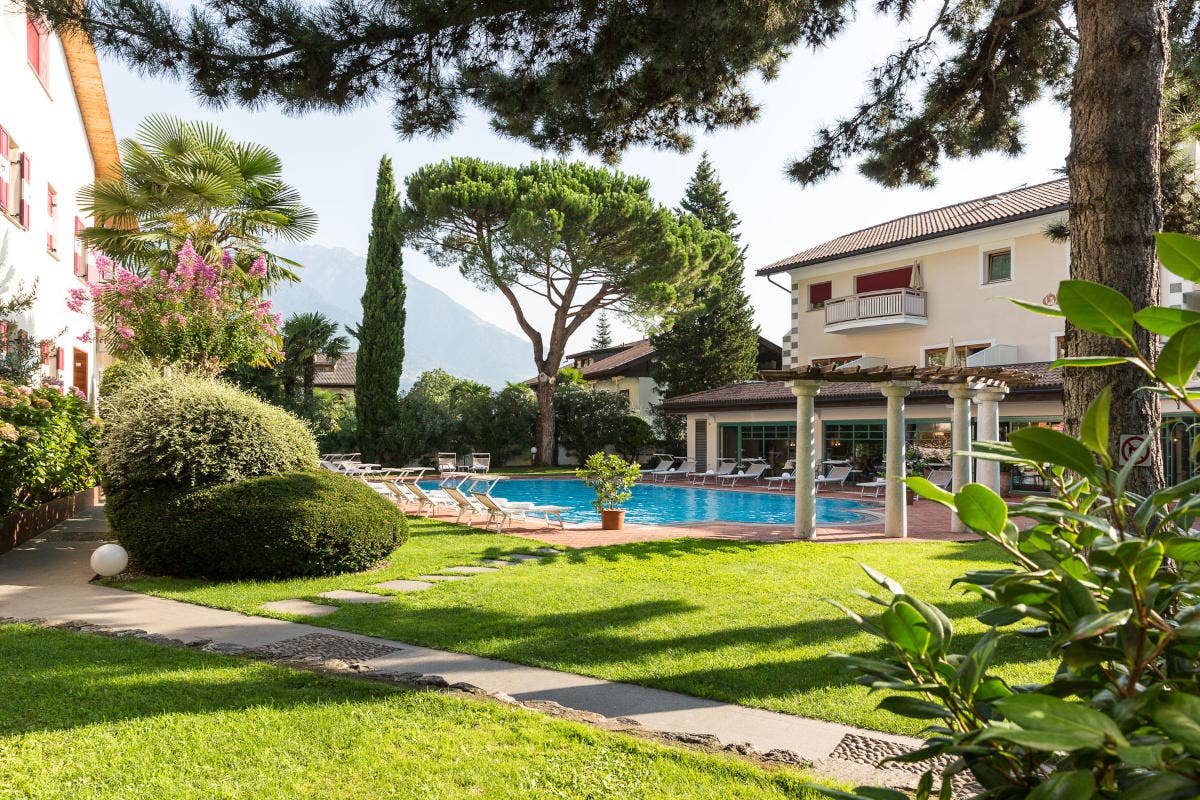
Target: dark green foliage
<point>305,337</point>
<point>277,526</point>
<point>589,421</point>
<point>603,336</point>
<point>20,355</point>
<point>380,359</point>
<point>47,446</point>
<point>716,343</point>
<point>191,431</point>
<point>1108,579</point>
<point>122,374</point>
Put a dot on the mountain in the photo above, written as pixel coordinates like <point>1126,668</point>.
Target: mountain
<point>438,332</point>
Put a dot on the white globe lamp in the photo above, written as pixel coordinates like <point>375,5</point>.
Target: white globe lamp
<point>109,560</point>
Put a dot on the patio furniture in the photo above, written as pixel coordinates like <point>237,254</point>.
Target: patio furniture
<point>837,476</point>
<point>431,499</point>
<point>876,485</point>
<point>662,461</point>
<point>686,467</point>
<point>466,505</point>
<point>505,512</point>
<point>481,462</point>
<point>786,475</point>
<point>941,478</point>
<point>752,472</point>
<point>447,462</point>
<point>724,467</point>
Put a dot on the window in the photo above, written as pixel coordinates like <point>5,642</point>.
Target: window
<point>819,294</point>
<point>37,49</point>
<point>51,221</point>
<point>881,281</point>
<point>1060,346</point>
<point>833,362</point>
<point>936,356</point>
<point>774,442</point>
<point>624,393</point>
<point>855,441</point>
<point>998,267</point>
<point>15,173</point>
<point>1175,288</point>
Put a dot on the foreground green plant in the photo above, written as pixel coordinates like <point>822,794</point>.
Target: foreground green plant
<point>1109,580</point>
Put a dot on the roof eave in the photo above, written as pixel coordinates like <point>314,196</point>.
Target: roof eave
<point>93,103</point>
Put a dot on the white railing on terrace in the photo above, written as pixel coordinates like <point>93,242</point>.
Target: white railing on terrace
<point>871,305</point>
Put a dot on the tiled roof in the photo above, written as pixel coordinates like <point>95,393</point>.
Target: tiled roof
<point>613,364</point>
<point>341,376</point>
<point>1028,201</point>
<point>779,393</point>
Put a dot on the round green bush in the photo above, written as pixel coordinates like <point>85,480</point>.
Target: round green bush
<point>186,431</point>
<point>278,526</point>
<point>120,375</point>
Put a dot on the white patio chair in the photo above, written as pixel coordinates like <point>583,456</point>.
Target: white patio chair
<point>752,473</point>
<point>786,475</point>
<point>466,505</point>
<point>447,462</point>
<point>724,467</point>
<point>662,461</point>
<point>837,476</point>
<point>481,462</point>
<point>685,468</point>
<point>503,512</point>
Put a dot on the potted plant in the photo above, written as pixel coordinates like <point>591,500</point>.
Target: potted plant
<point>611,477</point>
<point>1005,479</point>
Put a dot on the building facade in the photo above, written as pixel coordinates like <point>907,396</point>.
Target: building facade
<point>929,289</point>
<point>56,137</point>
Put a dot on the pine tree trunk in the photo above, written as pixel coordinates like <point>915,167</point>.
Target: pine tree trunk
<point>1115,201</point>
<point>545,421</point>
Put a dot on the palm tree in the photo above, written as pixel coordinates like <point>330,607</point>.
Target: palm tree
<point>180,180</point>
<point>306,336</point>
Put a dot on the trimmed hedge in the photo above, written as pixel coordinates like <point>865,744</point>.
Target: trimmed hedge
<point>187,431</point>
<point>279,526</point>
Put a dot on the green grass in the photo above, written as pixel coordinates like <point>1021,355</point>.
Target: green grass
<point>733,621</point>
<point>88,717</point>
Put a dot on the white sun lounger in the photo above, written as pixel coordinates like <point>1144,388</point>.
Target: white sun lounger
<point>837,476</point>
<point>752,473</point>
<point>501,513</point>
<point>786,475</point>
<point>662,461</point>
<point>686,468</point>
<point>726,466</point>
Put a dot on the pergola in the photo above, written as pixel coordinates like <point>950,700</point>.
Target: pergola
<point>987,386</point>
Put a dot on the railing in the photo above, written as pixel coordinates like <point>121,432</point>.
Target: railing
<point>871,305</point>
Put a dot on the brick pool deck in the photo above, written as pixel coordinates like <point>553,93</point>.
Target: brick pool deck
<point>927,521</point>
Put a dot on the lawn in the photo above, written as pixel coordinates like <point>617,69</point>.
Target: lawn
<point>731,621</point>
<point>89,717</point>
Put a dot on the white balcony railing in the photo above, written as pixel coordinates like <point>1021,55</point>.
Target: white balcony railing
<point>875,306</point>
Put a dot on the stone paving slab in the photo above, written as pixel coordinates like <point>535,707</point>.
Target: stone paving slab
<point>522,557</point>
<point>351,596</point>
<point>470,570</point>
<point>444,577</point>
<point>548,551</point>
<point>325,646</point>
<point>404,586</point>
<point>304,607</point>
<point>495,562</point>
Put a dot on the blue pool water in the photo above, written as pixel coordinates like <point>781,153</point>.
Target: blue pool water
<point>666,505</point>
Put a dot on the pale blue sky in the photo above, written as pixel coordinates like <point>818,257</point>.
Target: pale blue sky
<point>332,161</point>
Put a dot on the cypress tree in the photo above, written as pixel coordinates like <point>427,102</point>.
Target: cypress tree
<point>717,343</point>
<point>381,332</point>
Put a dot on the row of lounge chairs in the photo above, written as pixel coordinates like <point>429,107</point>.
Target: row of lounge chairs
<point>729,472</point>
<point>467,494</point>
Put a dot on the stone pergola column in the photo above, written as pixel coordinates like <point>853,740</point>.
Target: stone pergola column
<point>960,441</point>
<point>806,457</point>
<point>895,508</point>
<point>987,429</point>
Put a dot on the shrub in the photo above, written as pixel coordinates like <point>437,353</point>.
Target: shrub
<point>1110,580</point>
<point>47,446</point>
<point>278,526</point>
<point>193,431</point>
<point>120,375</point>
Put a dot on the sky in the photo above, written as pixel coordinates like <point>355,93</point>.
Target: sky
<point>332,160</point>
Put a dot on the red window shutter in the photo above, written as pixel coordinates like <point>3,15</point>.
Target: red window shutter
<point>60,359</point>
<point>26,168</point>
<point>33,45</point>
<point>3,169</point>
<point>819,293</point>
<point>50,242</point>
<point>26,216</point>
<point>879,281</point>
<point>49,202</point>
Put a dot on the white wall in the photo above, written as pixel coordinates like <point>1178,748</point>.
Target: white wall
<point>46,124</point>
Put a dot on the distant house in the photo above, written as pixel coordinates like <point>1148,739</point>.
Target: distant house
<point>337,376</point>
<point>628,370</point>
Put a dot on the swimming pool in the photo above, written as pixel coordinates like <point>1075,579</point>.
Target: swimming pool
<point>671,505</point>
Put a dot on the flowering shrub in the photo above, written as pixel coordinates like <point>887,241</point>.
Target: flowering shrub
<point>198,315</point>
<point>47,446</point>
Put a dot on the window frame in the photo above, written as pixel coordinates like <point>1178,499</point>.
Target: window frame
<point>971,347</point>
<point>986,253</point>
<point>809,292</point>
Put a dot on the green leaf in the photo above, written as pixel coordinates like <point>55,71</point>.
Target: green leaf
<point>1166,321</point>
<point>1158,786</point>
<point>1089,361</point>
<point>1094,428</point>
<point>1049,741</point>
<point>1177,362</point>
<point>1077,784</point>
<point>1038,308</point>
<point>923,488</point>
<point>883,580</point>
<point>1049,446</point>
<point>1179,717</point>
<point>1183,548</point>
<point>1097,308</point>
<point>981,509</point>
<point>1096,624</point>
<point>1180,254</point>
<point>1076,600</point>
<point>914,708</point>
<point>906,628</point>
<point>1039,712</point>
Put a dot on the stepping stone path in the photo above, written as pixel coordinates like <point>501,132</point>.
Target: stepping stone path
<point>350,596</point>
<point>443,577</point>
<point>305,607</point>
<point>520,557</point>
<point>404,586</point>
<point>470,570</point>
<point>495,562</point>
<point>548,551</point>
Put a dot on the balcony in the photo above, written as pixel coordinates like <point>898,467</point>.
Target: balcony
<point>883,310</point>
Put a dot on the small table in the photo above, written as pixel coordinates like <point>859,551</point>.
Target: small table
<point>876,484</point>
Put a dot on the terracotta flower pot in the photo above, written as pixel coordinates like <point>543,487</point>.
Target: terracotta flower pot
<point>612,519</point>
<point>1005,484</point>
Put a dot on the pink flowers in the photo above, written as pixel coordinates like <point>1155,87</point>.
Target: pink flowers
<point>197,314</point>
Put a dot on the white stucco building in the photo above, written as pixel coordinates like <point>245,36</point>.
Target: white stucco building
<point>56,136</point>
